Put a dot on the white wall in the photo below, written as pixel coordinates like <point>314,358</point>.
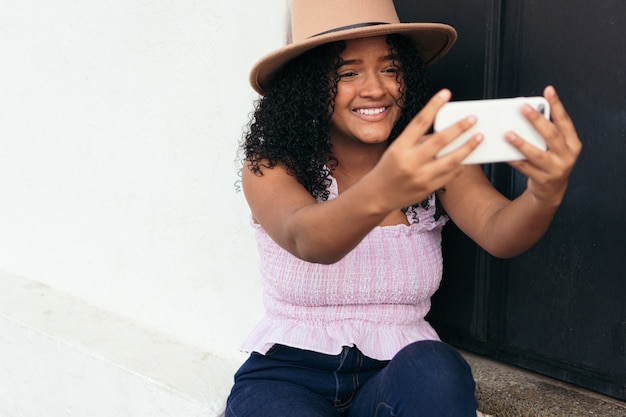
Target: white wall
<point>119,123</point>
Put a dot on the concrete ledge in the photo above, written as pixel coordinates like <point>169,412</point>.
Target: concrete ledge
<point>60,356</point>
<point>506,391</point>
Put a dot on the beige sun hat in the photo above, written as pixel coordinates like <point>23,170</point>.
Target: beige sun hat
<point>316,22</point>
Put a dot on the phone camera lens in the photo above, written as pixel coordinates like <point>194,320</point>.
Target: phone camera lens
<point>541,109</point>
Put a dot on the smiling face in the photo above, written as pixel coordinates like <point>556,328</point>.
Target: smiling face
<point>366,106</point>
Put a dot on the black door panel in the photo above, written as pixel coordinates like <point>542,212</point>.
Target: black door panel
<point>560,308</point>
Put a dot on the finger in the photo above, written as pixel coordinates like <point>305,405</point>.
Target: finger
<point>531,152</point>
<point>450,165</point>
<point>561,118</point>
<point>422,122</point>
<point>527,168</point>
<point>538,120</point>
<point>458,155</point>
<point>558,113</point>
<point>560,135</point>
<point>445,136</point>
<point>553,137</point>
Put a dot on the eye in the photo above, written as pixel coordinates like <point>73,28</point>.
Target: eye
<point>348,74</point>
<point>391,70</point>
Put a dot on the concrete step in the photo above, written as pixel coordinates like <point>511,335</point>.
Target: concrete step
<point>60,356</point>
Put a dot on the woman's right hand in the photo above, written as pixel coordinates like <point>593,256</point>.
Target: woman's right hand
<point>409,170</point>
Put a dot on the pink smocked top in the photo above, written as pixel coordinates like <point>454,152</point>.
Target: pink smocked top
<point>374,298</point>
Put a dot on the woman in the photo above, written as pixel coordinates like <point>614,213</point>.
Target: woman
<point>346,197</point>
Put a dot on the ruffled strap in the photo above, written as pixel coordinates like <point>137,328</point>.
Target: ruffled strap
<point>422,213</point>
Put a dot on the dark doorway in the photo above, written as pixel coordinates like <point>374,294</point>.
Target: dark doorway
<point>560,308</point>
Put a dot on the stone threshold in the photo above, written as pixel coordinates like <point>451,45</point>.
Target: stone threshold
<point>506,391</point>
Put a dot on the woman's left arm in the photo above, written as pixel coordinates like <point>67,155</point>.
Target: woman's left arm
<point>507,228</point>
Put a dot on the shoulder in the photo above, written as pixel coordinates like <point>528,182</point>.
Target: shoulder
<point>271,189</point>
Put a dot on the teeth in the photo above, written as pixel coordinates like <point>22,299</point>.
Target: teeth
<point>371,111</point>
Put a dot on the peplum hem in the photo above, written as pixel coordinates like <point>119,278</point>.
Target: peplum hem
<point>380,343</point>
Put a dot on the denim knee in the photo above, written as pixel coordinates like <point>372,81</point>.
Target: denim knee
<point>436,365</point>
<point>427,378</point>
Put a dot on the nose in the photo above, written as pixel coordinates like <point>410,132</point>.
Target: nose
<point>373,86</point>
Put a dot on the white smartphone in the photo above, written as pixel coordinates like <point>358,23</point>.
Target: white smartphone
<point>495,117</point>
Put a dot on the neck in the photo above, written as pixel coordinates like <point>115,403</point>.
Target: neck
<point>354,162</point>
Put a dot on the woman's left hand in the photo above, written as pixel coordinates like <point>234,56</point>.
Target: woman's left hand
<point>548,171</point>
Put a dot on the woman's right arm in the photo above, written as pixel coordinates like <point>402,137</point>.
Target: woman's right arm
<point>315,232</point>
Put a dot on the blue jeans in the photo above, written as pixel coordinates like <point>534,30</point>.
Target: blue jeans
<point>424,379</point>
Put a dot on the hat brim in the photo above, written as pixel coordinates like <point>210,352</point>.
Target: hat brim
<point>433,40</point>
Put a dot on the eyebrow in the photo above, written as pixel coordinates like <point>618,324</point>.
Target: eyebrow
<point>360,61</point>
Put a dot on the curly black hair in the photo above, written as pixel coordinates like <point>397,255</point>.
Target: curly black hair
<point>291,123</point>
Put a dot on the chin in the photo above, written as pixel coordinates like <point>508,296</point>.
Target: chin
<point>375,139</point>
